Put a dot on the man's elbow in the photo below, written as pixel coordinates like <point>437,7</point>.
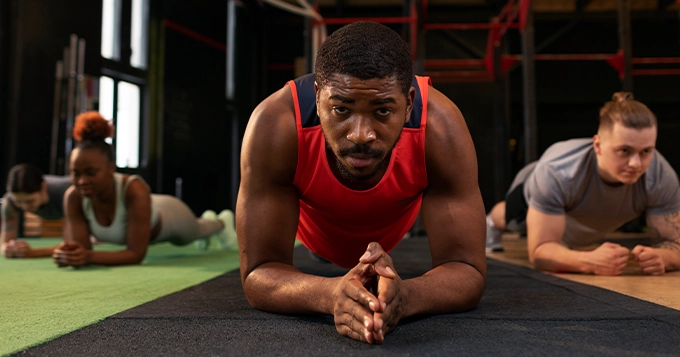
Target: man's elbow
<point>252,292</point>
<point>473,295</point>
<point>476,294</point>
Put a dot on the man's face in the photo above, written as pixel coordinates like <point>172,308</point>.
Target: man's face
<point>362,121</point>
<point>623,154</point>
<point>27,202</point>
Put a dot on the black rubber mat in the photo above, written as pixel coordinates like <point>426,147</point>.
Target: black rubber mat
<point>523,313</point>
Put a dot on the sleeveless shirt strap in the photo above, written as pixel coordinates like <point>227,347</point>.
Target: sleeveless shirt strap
<point>424,84</point>
<point>127,184</point>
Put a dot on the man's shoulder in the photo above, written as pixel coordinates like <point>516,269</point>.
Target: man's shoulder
<point>563,169</point>
<point>567,156</point>
<point>567,148</point>
<point>57,180</point>
<point>660,173</point>
<point>270,142</point>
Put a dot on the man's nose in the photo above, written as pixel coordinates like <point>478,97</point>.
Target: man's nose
<point>635,161</point>
<point>361,132</point>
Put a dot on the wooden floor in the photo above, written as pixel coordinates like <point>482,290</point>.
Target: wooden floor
<point>663,290</point>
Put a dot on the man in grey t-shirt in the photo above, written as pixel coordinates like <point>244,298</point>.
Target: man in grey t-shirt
<point>581,189</point>
<point>28,190</point>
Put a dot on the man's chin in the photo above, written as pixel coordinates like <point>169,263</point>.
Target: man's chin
<point>629,180</point>
<point>360,176</point>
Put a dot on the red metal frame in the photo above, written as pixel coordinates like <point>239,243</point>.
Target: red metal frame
<point>193,34</point>
<point>512,16</point>
<point>469,68</point>
<point>412,20</point>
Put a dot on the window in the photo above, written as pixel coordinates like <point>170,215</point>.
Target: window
<point>127,125</point>
<point>139,33</point>
<point>121,88</point>
<point>106,89</point>
<point>111,29</point>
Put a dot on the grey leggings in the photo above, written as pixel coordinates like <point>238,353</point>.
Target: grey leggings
<point>179,225</point>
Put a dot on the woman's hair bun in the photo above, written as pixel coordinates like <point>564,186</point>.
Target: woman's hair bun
<point>91,126</point>
<point>619,97</point>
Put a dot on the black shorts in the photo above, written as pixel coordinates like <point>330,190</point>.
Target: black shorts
<point>516,209</point>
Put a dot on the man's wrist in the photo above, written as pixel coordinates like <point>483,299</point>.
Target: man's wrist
<point>407,292</point>
<point>584,265</point>
<point>669,257</point>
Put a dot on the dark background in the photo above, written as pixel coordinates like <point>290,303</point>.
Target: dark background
<point>193,131</point>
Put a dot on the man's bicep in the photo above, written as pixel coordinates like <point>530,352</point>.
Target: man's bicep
<point>452,211</point>
<point>267,206</point>
<point>9,221</point>
<point>543,228</point>
<point>454,228</point>
<point>266,223</point>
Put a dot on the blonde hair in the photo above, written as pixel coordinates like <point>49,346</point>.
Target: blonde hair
<point>622,108</point>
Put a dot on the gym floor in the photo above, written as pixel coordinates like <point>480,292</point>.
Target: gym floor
<point>522,312</point>
<point>662,290</point>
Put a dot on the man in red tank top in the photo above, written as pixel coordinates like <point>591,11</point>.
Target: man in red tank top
<point>343,160</point>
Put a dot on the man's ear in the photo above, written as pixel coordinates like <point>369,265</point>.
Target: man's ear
<point>316,92</point>
<point>597,142</point>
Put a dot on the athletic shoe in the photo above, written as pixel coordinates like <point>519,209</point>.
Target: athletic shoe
<point>204,243</point>
<point>227,237</point>
<point>493,239</point>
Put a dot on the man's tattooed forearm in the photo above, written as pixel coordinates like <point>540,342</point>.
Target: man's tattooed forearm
<point>666,229</point>
<point>673,221</point>
<point>670,245</point>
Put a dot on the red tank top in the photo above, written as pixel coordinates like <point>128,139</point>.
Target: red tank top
<point>338,223</point>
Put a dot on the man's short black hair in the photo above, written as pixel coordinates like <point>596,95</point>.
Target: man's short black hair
<point>365,50</point>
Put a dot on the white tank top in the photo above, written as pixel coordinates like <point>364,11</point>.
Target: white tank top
<point>116,232</point>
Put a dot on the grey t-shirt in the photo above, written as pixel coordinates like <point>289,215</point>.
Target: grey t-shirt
<point>56,187</point>
<point>565,181</point>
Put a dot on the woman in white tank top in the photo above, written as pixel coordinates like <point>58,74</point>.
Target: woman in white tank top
<point>121,209</point>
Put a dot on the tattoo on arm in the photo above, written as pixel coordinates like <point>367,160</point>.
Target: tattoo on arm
<point>7,211</point>
<point>672,239</point>
<point>8,227</point>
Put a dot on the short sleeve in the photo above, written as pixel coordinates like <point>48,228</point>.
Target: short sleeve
<point>663,187</point>
<point>544,191</point>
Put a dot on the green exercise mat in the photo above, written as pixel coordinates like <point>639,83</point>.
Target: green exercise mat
<point>39,302</point>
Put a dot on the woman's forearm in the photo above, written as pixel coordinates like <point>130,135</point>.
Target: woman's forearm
<point>123,257</point>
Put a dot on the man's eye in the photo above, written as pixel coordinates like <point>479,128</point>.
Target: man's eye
<point>383,112</point>
<point>340,110</point>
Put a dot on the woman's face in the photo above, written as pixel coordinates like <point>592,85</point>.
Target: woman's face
<point>91,171</point>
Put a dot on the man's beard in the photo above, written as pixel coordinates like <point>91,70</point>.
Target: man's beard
<point>365,150</point>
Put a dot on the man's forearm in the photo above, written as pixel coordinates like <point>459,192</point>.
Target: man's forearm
<point>448,288</point>
<point>553,256</point>
<point>281,288</point>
